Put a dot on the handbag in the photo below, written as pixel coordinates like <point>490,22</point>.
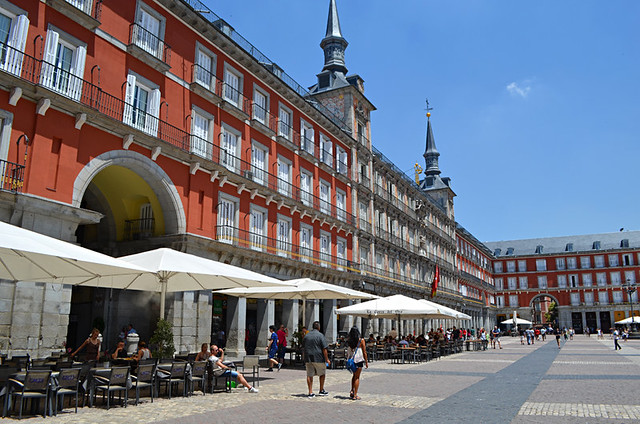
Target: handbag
<point>351,363</point>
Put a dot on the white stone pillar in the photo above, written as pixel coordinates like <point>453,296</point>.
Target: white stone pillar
<point>330,322</point>
<point>266,314</point>
<point>237,322</point>
<point>291,315</point>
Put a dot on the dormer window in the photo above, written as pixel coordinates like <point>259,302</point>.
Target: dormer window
<point>569,247</point>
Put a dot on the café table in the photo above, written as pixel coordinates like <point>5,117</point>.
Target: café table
<point>406,350</point>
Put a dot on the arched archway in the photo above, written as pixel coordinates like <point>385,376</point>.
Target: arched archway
<point>544,309</point>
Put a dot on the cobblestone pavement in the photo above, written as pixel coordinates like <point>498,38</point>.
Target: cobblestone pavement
<point>584,382</point>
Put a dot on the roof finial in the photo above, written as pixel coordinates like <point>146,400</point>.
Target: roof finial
<point>431,153</point>
<point>429,109</point>
<point>334,43</point>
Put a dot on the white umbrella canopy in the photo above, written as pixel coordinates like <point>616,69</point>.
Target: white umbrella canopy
<point>630,320</point>
<point>396,306</point>
<point>29,256</point>
<point>518,321</point>
<point>448,313</point>
<point>173,271</point>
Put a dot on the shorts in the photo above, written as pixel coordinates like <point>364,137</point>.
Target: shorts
<point>496,339</point>
<point>316,368</point>
<point>272,353</point>
<point>233,374</point>
<point>360,364</point>
<point>281,351</point>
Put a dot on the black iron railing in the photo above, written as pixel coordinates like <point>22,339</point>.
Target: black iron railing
<point>139,229</point>
<point>149,42</point>
<point>11,176</point>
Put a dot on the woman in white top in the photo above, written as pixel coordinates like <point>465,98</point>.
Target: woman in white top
<point>143,352</point>
<point>357,351</point>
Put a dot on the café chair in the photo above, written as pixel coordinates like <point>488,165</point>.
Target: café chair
<point>35,386</point>
<point>68,385</point>
<point>116,382</point>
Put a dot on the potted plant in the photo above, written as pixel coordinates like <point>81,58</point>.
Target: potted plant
<point>162,340</point>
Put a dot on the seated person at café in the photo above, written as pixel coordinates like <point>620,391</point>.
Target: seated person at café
<point>371,339</point>
<point>143,352</point>
<point>120,352</point>
<point>204,354</point>
<point>224,370</point>
<point>404,342</point>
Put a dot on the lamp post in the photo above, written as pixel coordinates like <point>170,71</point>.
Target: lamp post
<point>630,288</point>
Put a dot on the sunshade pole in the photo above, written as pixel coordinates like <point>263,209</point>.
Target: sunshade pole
<point>304,312</point>
<point>163,295</point>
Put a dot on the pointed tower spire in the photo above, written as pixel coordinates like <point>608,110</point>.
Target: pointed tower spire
<point>431,154</point>
<point>334,43</point>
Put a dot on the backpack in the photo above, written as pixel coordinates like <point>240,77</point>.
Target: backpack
<point>351,363</point>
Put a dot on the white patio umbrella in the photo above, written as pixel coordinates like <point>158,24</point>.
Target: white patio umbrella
<point>630,320</point>
<point>449,313</point>
<point>29,256</point>
<point>173,271</point>
<point>396,306</point>
<point>516,321</point>
<point>301,288</point>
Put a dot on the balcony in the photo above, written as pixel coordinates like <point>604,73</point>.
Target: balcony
<point>11,176</point>
<point>234,102</point>
<point>364,225</point>
<point>288,136</point>
<point>150,49</point>
<point>85,12</point>
<point>139,229</point>
<point>206,84</point>
<point>282,248</point>
<point>263,120</point>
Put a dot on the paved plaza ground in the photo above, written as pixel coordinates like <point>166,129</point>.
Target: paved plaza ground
<point>585,381</point>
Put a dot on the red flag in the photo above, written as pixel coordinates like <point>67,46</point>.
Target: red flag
<point>436,280</point>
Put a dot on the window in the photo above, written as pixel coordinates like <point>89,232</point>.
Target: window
<point>283,239</point>
<point>575,299</point>
<point>523,282</point>
<point>204,68</point>
<point>599,261</point>
<point>149,31</point>
<point>142,104</point>
<point>615,278</point>
<point>232,91</point>
<point>229,148</point>
<point>587,280</point>
<point>306,188</point>
<point>341,253</point>
<point>307,142</point>
<point>201,132</point>
<point>588,298</point>
<point>306,243</point>
<point>63,67</point>
<point>284,123</point>
<point>227,218</point>
<point>14,26</point>
<point>511,281</point>
<point>573,280</point>
<point>364,212</point>
<point>498,283</point>
<point>541,264</point>
<point>497,267</point>
<point>325,197</point>
<point>284,176</point>
<point>571,263</point>
<point>260,106</point>
<point>613,260</point>
<point>562,281</point>
<point>585,262</point>
<point>522,266</point>
<point>630,277</point>
<point>258,228</point>
<point>617,297</point>
<point>341,205</point>
<point>364,255</point>
<point>6,123</point>
<point>326,153</point>
<point>379,261</point>
<point>325,249</point>
<point>341,163</point>
<point>259,160</point>
<point>560,264</point>
<point>513,300</point>
<point>542,281</point>
<point>601,278</point>
<point>603,297</point>
<point>627,260</point>
<point>511,266</point>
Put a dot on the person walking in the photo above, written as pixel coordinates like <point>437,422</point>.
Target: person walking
<point>616,337</point>
<point>282,334</point>
<point>357,351</point>
<point>557,333</point>
<point>272,349</point>
<point>496,337</point>
<point>316,358</point>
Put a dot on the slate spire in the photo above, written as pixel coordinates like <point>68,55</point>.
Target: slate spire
<point>431,154</point>
<point>334,43</point>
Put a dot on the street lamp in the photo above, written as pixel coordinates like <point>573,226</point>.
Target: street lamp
<point>630,288</point>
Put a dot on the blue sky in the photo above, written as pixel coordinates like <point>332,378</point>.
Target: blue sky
<point>536,104</point>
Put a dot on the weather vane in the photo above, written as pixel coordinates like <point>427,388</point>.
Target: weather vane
<point>428,108</point>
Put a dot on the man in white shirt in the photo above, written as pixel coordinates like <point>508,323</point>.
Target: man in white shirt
<point>224,370</point>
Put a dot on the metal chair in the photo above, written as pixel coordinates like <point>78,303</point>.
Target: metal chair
<point>35,386</point>
<point>23,362</point>
<point>117,382</point>
<point>339,358</point>
<point>176,375</point>
<point>198,373</point>
<point>145,378</point>
<point>252,361</point>
<point>68,384</point>
<point>6,371</point>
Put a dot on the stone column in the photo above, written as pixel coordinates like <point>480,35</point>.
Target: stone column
<point>237,323</point>
<point>330,324</point>
<point>312,312</point>
<point>291,315</point>
<point>266,315</point>
<point>205,312</point>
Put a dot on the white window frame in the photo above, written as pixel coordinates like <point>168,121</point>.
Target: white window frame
<point>284,184</point>
<point>574,280</point>
<point>541,264</point>
<point>601,279</point>
<point>306,189</point>
<point>144,120</point>
<point>260,112</point>
<point>562,281</point>
<point>575,298</point>
<point>67,83</point>
<point>201,143</point>
<point>588,298</point>
<point>513,300</point>
<point>285,128</point>
<point>231,93</point>
<point>630,276</point>
<point>512,283</point>
<point>627,259</point>
<point>585,262</point>
<point>341,210</point>
<point>202,76</point>
<point>325,201</point>
<point>227,229</point>
<point>283,241</point>
<point>307,137</point>
<point>598,261</point>
<point>615,278</point>
<point>146,39</point>
<point>6,124</point>
<point>500,301</point>
<point>306,251</point>
<point>259,174</point>
<point>326,150</point>
<point>618,297</point>
<point>341,253</point>
<point>572,262</point>
<point>497,267</point>
<point>542,281</point>
<point>499,284</point>
<point>342,161</point>
<point>325,248</point>
<point>522,265</point>
<point>587,280</point>
<point>523,282</point>
<point>228,155</point>
<point>603,297</point>
<point>614,260</point>
<point>257,235</point>
<point>13,57</point>
<point>511,266</point>
<point>561,264</point>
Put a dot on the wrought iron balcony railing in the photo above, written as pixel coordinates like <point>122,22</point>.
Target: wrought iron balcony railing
<point>11,176</point>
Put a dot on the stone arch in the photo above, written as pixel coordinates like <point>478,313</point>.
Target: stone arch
<point>166,192</point>
<point>539,295</point>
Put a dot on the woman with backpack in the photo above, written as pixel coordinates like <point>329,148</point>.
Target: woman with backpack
<point>357,351</point>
